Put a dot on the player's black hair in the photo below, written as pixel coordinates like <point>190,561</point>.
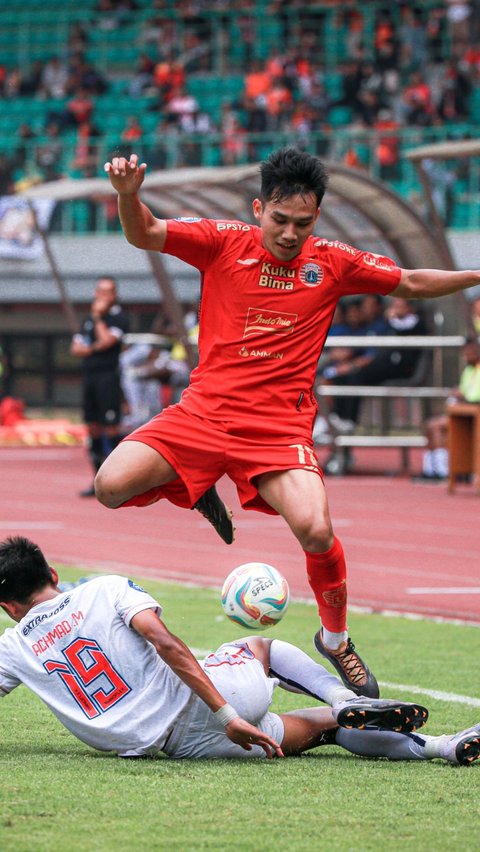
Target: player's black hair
<point>288,172</point>
<point>23,570</point>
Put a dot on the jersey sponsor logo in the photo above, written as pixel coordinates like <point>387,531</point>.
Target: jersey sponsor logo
<point>336,244</point>
<point>135,586</point>
<point>249,261</point>
<point>188,219</point>
<point>260,353</point>
<point>273,277</point>
<point>311,274</point>
<point>232,226</point>
<point>271,322</point>
<point>31,625</point>
<point>379,262</point>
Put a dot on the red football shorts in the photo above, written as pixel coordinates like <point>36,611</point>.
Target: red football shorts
<point>201,451</point>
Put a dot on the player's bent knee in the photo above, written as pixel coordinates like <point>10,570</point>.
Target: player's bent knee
<point>106,491</point>
<point>317,539</point>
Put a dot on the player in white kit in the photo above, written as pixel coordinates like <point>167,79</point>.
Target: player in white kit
<point>104,662</point>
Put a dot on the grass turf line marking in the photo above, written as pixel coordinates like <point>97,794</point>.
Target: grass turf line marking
<point>446,590</point>
<point>449,697</point>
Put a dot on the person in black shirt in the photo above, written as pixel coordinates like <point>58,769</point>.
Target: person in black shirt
<point>98,345</point>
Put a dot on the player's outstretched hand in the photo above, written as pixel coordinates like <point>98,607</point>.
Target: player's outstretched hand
<point>126,176</point>
<point>245,735</point>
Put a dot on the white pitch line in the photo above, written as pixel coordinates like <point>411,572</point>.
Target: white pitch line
<point>449,697</point>
<point>445,590</point>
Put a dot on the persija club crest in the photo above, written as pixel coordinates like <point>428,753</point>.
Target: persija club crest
<point>311,274</point>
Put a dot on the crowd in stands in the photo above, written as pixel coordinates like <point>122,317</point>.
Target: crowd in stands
<point>419,71</point>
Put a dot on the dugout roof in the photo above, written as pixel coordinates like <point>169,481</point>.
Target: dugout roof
<point>357,209</point>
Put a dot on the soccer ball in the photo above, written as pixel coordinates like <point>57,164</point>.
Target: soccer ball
<point>255,595</point>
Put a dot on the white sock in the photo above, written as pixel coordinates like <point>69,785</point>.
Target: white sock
<point>440,461</point>
<point>427,463</point>
<point>333,640</point>
<point>394,746</point>
<point>297,672</point>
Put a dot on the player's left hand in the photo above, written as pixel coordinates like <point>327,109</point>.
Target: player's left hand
<point>246,735</point>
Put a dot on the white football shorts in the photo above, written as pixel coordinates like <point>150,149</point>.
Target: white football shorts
<point>242,681</point>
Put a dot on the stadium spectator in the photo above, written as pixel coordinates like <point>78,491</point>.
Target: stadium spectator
<point>7,182</point>
<point>141,390</point>
<point>244,349</point>
<point>49,153</point>
<point>132,132</point>
<point>142,80</point>
<point>417,106</point>
<point>234,146</point>
<point>85,161</point>
<point>24,150</point>
<point>54,78</point>
<point>219,708</point>
<point>387,148</point>
<point>181,104</point>
<point>78,110</point>
<point>435,458</point>
<point>475,309</point>
<point>98,345</point>
<point>372,367</point>
<point>257,82</point>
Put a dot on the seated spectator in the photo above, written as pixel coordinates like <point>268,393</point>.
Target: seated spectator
<point>142,79</point>
<point>133,130</point>
<point>49,153</point>
<point>373,312</point>
<point>181,103</point>
<point>435,458</point>
<point>257,81</point>
<point>54,78</point>
<point>417,104</point>
<point>24,150</point>
<point>476,315</point>
<point>342,360</point>
<point>86,159</point>
<point>7,186</point>
<point>387,146</point>
<point>402,319</point>
<point>78,109</point>
<point>234,148</point>
<point>31,83</point>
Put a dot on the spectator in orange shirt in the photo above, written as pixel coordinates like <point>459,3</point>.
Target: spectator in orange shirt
<point>257,81</point>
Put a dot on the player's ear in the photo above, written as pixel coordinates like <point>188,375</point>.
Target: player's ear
<point>12,609</point>
<point>54,575</point>
<point>257,208</point>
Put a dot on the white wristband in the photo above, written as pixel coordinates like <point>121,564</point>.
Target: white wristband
<point>226,714</point>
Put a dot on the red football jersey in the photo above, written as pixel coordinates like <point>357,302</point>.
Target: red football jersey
<point>263,323</point>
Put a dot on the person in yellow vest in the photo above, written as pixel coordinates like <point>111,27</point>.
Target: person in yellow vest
<point>435,459</point>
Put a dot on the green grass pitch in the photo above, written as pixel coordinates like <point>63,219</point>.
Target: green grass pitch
<point>57,793</point>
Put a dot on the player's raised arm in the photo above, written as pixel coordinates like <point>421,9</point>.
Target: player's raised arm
<point>141,228</point>
<point>433,283</point>
<point>181,660</point>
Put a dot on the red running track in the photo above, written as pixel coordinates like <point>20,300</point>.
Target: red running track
<point>410,547</point>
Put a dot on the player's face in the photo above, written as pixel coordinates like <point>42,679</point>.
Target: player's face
<point>286,224</point>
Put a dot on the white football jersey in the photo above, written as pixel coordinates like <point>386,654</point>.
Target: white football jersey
<point>102,680</point>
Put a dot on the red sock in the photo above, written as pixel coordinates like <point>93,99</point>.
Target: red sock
<point>327,574</point>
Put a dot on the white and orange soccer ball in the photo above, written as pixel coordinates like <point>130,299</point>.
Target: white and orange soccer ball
<point>255,595</point>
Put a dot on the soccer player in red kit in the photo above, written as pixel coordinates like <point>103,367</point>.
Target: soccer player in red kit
<point>268,296</point>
